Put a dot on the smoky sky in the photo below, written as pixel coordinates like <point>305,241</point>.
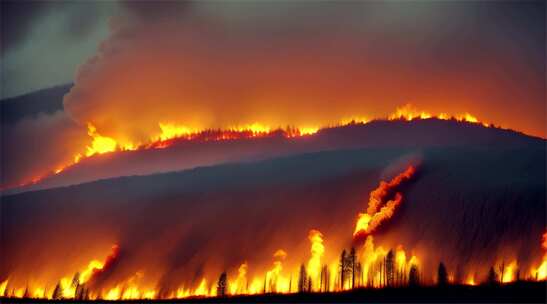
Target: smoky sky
<point>43,42</point>
<point>65,33</point>
<point>287,64</point>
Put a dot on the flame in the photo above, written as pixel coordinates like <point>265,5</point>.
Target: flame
<point>354,120</point>
<point>540,273</point>
<point>369,221</point>
<point>509,272</point>
<point>409,112</point>
<point>100,144</point>
<point>470,280</point>
<point>202,290</point>
<point>113,294</point>
<point>373,260</point>
<point>275,281</point>
<point>317,251</point>
<point>239,286</point>
<point>92,267</point>
<point>3,286</point>
<point>378,267</point>
<point>39,293</point>
<point>169,132</point>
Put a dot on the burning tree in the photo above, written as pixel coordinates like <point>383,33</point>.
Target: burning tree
<point>343,268</point>
<point>390,268</point>
<point>302,279</point>
<point>221,285</point>
<point>57,292</point>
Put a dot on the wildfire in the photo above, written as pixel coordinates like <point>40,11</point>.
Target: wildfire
<point>100,144</point>
<point>170,132</point>
<point>540,273</point>
<point>239,286</point>
<point>369,221</point>
<point>366,266</point>
<point>470,280</point>
<point>408,112</point>
<point>274,278</point>
<point>509,272</point>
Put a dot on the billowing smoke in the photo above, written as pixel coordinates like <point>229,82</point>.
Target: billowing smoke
<point>208,65</point>
<point>217,66</point>
<point>34,146</point>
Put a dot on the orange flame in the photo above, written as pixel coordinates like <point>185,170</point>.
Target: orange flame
<point>373,261</point>
<point>171,132</point>
<point>317,250</point>
<point>369,221</point>
<point>540,273</point>
<point>408,112</point>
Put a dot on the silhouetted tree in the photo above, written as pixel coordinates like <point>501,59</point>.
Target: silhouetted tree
<point>57,292</point>
<point>390,268</point>
<point>80,292</point>
<point>76,280</point>
<point>221,285</point>
<point>442,277</point>
<point>26,294</point>
<point>324,278</point>
<point>302,279</point>
<point>413,277</point>
<point>492,277</point>
<point>502,270</point>
<point>358,273</point>
<point>351,262</point>
<point>343,268</point>
<point>290,283</point>
<point>76,283</point>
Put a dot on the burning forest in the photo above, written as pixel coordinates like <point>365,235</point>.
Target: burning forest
<point>322,267</point>
<point>272,151</point>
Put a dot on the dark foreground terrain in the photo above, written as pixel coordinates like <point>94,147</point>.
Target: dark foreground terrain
<point>522,292</point>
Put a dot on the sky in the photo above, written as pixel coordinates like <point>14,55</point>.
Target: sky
<point>43,42</point>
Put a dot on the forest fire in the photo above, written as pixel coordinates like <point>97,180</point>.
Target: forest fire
<point>408,112</point>
<point>171,133</point>
<point>273,151</point>
<point>364,266</point>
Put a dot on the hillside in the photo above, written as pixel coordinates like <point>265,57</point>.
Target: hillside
<point>184,154</point>
<point>470,207</point>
